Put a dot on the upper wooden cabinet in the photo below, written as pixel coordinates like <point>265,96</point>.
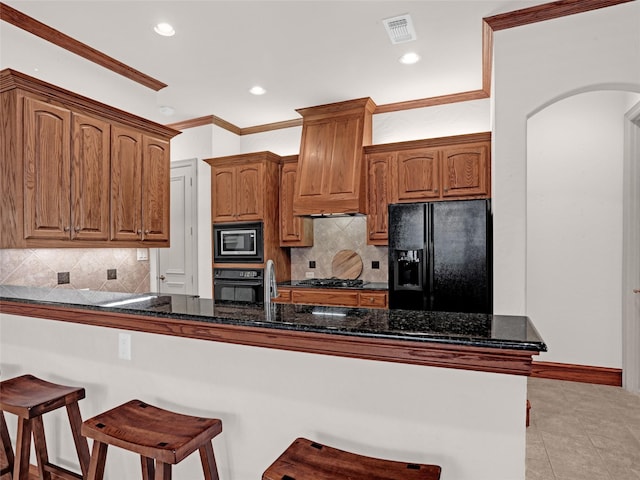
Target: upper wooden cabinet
<point>241,190</point>
<point>60,154</point>
<point>294,231</point>
<point>331,173</point>
<point>447,168</point>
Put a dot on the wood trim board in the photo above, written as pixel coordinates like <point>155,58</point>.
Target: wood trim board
<point>577,373</point>
<point>39,29</point>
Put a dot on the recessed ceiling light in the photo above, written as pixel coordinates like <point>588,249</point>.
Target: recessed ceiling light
<point>410,58</point>
<point>257,90</point>
<point>164,29</point>
<point>166,110</point>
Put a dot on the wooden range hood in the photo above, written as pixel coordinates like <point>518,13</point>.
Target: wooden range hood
<point>331,172</point>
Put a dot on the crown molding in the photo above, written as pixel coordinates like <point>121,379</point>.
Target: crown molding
<point>39,29</point>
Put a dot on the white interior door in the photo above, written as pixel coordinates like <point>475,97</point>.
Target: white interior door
<point>177,266</point>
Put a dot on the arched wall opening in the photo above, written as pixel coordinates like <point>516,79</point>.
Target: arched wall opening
<point>577,265</point>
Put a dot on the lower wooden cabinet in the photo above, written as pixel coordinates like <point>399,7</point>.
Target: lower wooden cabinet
<point>338,297</point>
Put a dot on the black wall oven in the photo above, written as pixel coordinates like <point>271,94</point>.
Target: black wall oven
<point>238,285</point>
<point>238,242</point>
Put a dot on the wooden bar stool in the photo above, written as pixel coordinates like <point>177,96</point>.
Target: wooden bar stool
<point>307,460</point>
<point>154,434</point>
<point>29,398</point>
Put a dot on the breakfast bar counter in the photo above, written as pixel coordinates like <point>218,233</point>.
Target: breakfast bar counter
<point>435,388</point>
<point>495,343</point>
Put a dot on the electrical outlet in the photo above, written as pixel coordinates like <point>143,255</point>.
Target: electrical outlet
<point>124,346</point>
<point>312,264</point>
<point>112,274</point>
<point>309,274</point>
<point>63,278</point>
<point>375,265</point>
<point>142,254</point>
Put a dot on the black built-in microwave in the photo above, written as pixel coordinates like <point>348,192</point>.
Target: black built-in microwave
<point>238,242</point>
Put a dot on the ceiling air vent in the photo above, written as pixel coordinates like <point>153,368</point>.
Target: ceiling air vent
<point>400,29</point>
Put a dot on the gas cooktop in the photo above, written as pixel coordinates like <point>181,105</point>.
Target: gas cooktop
<point>330,282</point>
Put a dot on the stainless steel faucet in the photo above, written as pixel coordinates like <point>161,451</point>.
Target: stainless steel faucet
<point>270,284</point>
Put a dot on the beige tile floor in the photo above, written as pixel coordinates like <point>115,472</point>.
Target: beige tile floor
<point>580,431</point>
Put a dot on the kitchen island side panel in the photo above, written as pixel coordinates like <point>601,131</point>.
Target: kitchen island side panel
<point>471,423</point>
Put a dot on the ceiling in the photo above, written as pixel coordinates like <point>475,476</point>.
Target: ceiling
<point>304,53</point>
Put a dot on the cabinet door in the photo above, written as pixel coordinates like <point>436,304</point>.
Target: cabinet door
<point>378,197</point>
<point>223,183</point>
<point>249,196</point>
<point>465,171</point>
<point>417,177</point>
<point>47,171</point>
<point>90,176</point>
<point>126,179</point>
<point>294,231</point>
<point>156,179</point>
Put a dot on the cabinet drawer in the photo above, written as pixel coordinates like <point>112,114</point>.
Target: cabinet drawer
<point>284,296</point>
<point>325,297</point>
<point>372,299</point>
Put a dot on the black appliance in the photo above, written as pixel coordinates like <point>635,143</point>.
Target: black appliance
<point>440,256</point>
<point>238,285</point>
<point>238,242</point>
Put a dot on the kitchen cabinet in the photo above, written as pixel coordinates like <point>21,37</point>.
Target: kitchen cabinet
<point>439,169</point>
<point>295,231</point>
<point>140,187</point>
<point>245,187</point>
<point>56,160</point>
<point>342,297</point>
<point>330,169</point>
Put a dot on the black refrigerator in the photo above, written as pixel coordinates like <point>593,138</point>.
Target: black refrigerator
<point>440,256</point>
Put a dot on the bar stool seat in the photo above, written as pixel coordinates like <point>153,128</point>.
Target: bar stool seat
<point>307,460</point>
<point>162,438</point>
<point>29,398</point>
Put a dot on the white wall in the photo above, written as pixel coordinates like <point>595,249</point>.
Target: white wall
<point>574,226</point>
<point>470,423</point>
<point>534,66</point>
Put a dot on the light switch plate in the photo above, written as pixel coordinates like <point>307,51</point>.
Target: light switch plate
<point>309,274</point>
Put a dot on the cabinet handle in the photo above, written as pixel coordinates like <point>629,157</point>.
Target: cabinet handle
<point>146,232</point>
<point>435,190</point>
<point>138,231</point>
<point>77,229</point>
<point>446,190</point>
<point>636,290</point>
<point>66,229</point>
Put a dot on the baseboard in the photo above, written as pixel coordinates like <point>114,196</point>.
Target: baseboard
<point>577,373</point>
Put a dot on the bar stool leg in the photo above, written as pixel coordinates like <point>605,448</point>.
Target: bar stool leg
<point>82,446</point>
<point>163,471</point>
<point>98,459</point>
<point>208,462</point>
<point>40,444</point>
<point>148,468</point>
<point>6,453</point>
<point>23,450</point>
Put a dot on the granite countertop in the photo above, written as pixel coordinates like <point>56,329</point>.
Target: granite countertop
<point>467,329</point>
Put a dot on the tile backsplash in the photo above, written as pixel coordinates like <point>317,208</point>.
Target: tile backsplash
<point>332,234</point>
<point>76,268</point>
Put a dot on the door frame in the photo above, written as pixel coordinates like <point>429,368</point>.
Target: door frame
<point>192,163</point>
<point>630,253</point>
